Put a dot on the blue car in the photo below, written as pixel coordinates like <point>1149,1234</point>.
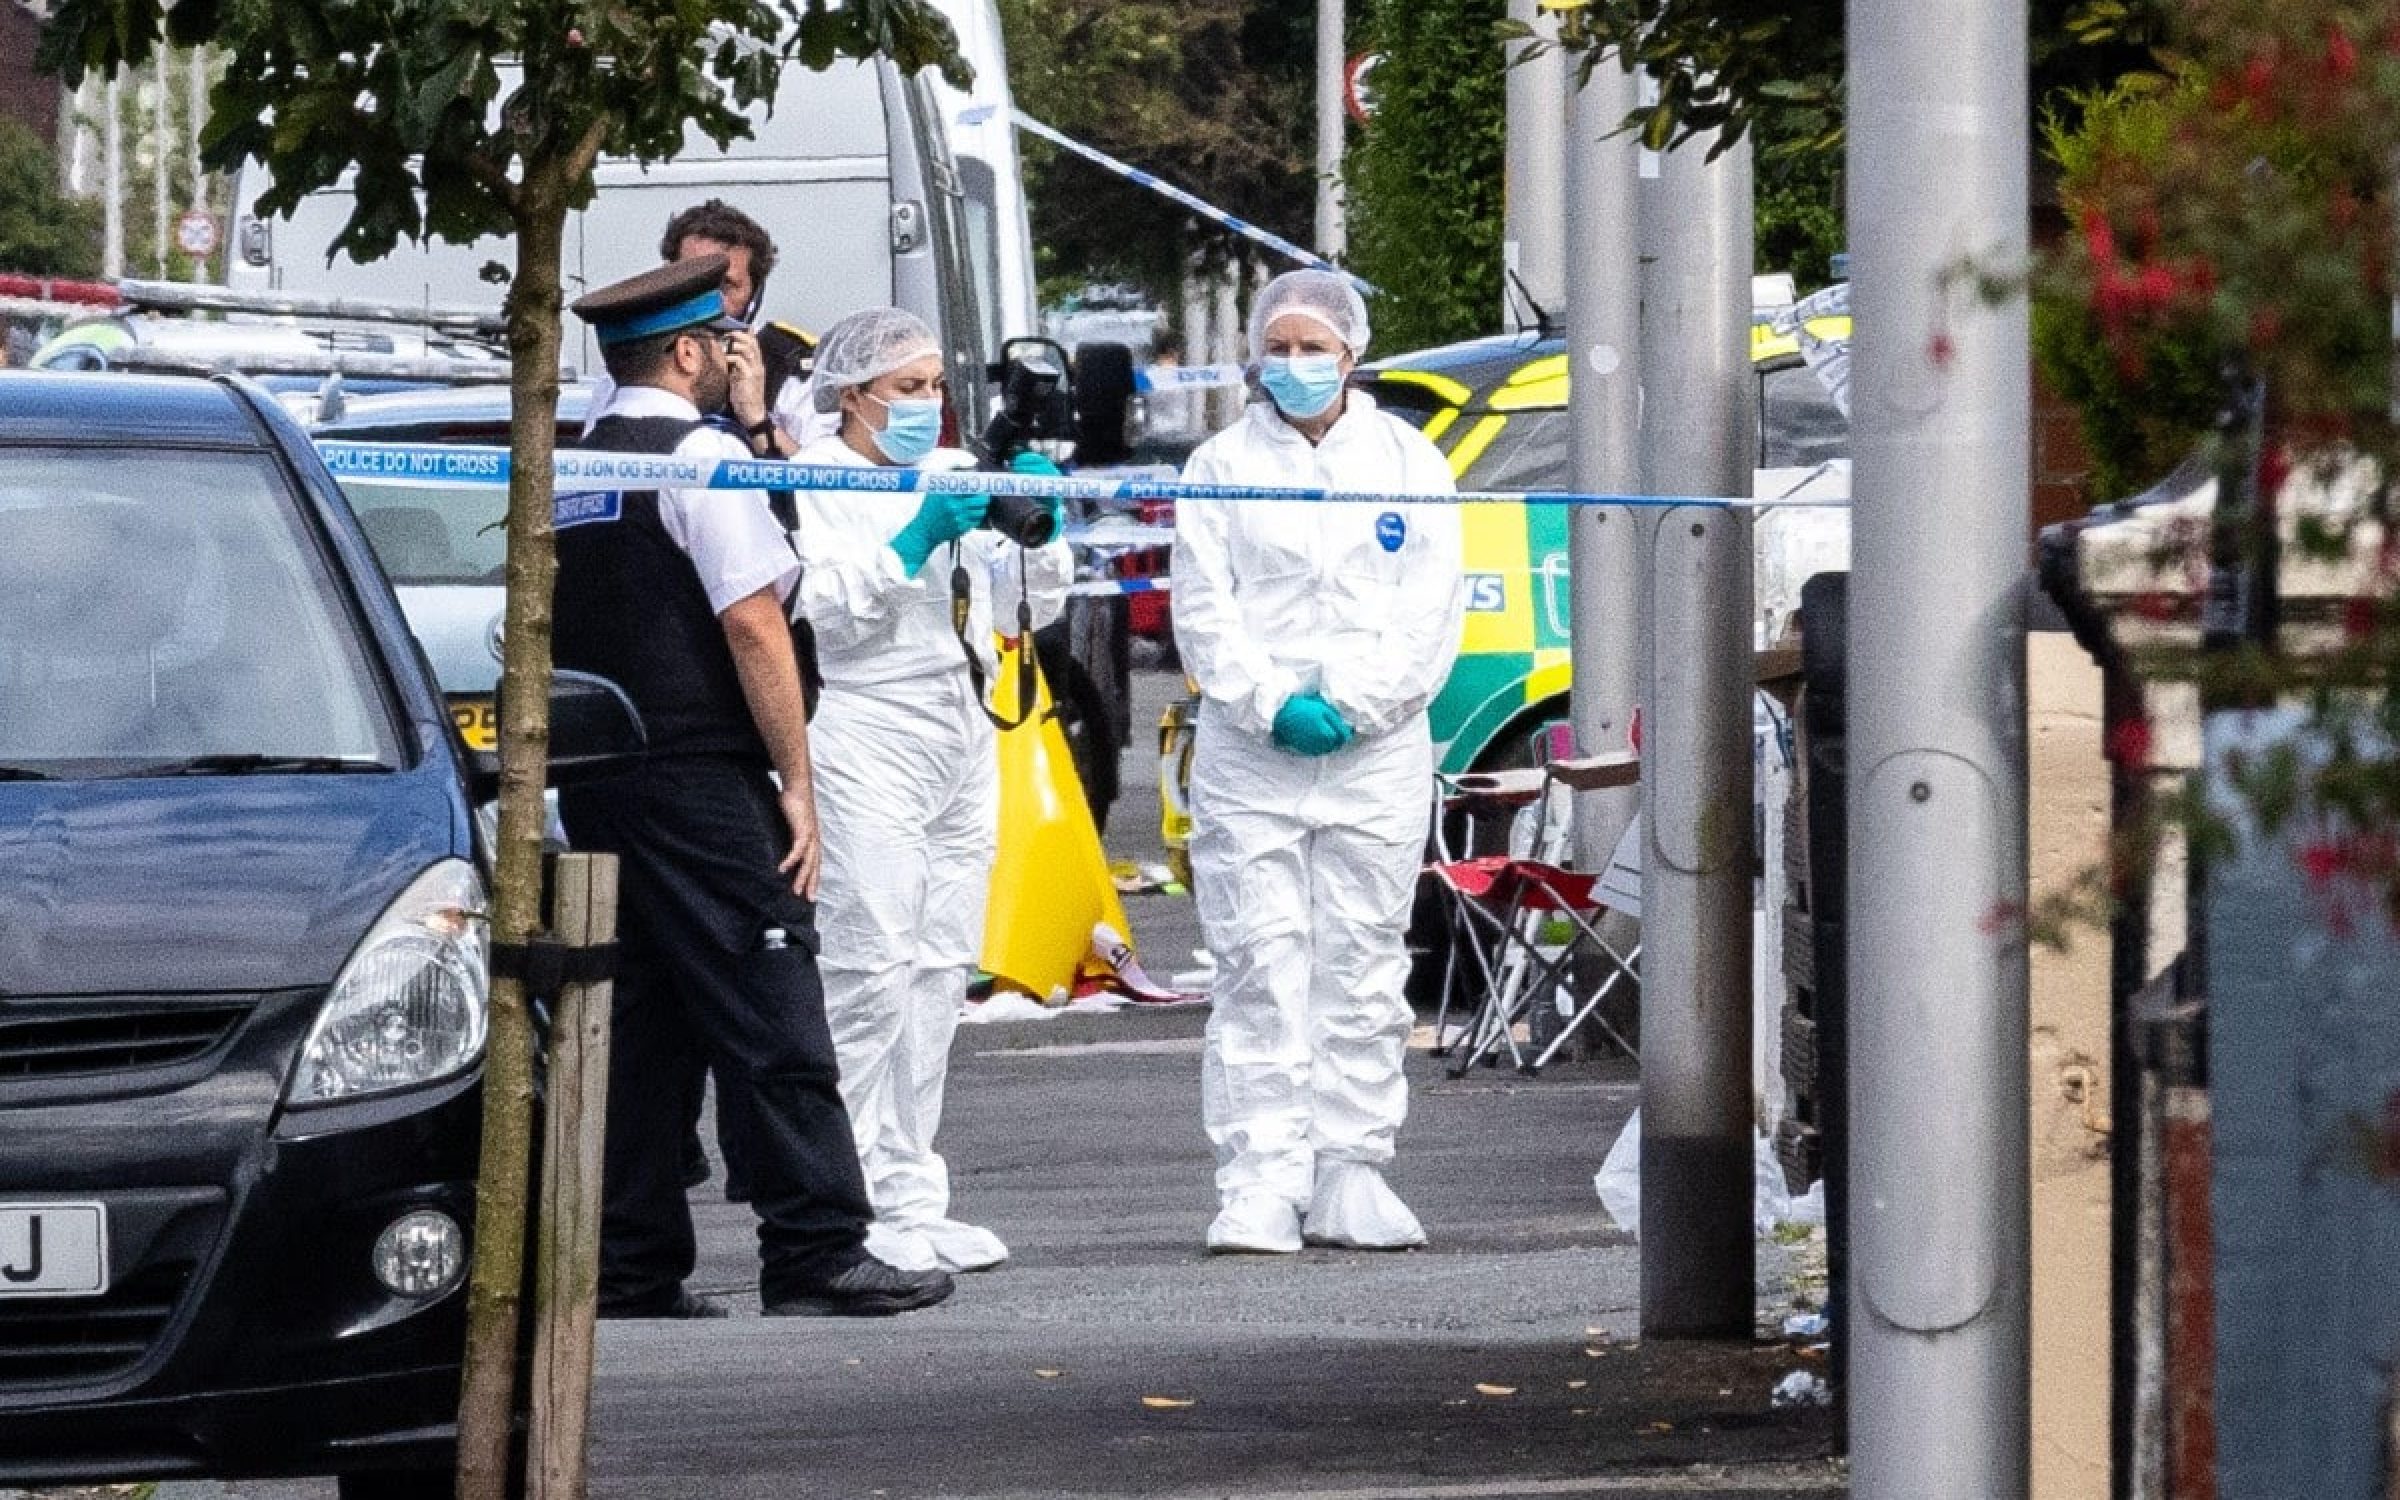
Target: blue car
<point>243,956</point>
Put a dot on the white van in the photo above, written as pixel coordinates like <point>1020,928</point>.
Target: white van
<point>981,123</point>
<point>851,173</point>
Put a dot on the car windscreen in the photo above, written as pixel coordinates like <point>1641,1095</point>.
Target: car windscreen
<point>1533,448</point>
<point>1522,450</point>
<point>166,611</point>
<point>1803,427</point>
<point>434,534</point>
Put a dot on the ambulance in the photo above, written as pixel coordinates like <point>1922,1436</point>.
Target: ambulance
<point>1497,408</point>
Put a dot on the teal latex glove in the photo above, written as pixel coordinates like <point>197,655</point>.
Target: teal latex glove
<point>1030,462</point>
<point>1308,725</point>
<point>942,518</point>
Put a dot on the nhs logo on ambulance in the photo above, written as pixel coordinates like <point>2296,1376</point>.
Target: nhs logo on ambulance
<point>585,508</point>
<point>1487,594</point>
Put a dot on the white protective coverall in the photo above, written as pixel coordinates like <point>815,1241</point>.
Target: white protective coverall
<point>907,802</point>
<point>1304,867</point>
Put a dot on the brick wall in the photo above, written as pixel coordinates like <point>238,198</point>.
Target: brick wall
<point>2060,463</point>
<point>27,97</point>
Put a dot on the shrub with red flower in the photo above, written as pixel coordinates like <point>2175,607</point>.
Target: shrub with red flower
<point>2233,222</point>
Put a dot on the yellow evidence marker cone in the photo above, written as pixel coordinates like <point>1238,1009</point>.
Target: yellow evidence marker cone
<point>1050,881</point>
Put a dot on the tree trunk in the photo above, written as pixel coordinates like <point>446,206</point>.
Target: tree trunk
<point>487,1398</point>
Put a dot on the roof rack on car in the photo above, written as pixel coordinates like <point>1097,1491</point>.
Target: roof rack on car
<point>428,368</point>
<point>186,296</point>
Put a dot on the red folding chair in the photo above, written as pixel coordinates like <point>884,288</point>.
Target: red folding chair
<point>1528,926</point>
<point>1474,817</point>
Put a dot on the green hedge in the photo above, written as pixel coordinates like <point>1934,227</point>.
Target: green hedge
<point>42,232</point>
<point>1425,178</point>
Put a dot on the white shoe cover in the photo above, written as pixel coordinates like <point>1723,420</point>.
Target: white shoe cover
<point>1255,1224</point>
<point>905,1248</point>
<point>1354,1208</point>
<point>961,1247</point>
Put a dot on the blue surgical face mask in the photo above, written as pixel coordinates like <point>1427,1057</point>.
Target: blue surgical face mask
<point>1302,385</point>
<point>911,429</point>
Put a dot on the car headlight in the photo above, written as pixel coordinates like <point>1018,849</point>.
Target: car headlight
<point>408,1008</point>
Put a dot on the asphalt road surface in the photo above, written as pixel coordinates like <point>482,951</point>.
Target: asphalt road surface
<point>1111,1357</point>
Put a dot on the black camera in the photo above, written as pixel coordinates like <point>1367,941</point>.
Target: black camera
<point>1037,402</point>
<point>1037,399</point>
<point>1023,521</point>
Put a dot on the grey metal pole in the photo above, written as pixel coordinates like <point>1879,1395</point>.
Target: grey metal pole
<point>1699,437</point>
<point>1939,1389</point>
<point>195,116</point>
<point>1233,341</point>
<point>1534,230</point>
<point>1604,403</point>
<point>1333,62</point>
<point>78,164</point>
<point>1187,412</point>
<point>162,157</point>
<point>69,134</point>
<point>112,181</point>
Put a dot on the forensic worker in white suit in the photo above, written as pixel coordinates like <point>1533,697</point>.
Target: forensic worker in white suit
<point>1318,634</point>
<point>907,776</point>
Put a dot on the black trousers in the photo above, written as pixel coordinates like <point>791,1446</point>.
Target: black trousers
<point>701,981</point>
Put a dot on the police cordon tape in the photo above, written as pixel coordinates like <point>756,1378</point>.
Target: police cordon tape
<point>1190,200</point>
<point>1152,380</point>
<point>1109,587</point>
<point>580,474</point>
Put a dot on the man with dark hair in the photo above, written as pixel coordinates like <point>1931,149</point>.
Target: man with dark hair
<point>678,596</point>
<point>777,355</point>
<point>724,230</point>
<point>765,400</point>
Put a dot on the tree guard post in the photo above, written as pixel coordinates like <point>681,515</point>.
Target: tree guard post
<point>583,917</point>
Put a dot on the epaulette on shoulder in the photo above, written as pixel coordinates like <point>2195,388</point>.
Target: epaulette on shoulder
<point>777,328</point>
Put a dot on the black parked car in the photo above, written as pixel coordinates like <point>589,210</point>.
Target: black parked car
<point>242,956</point>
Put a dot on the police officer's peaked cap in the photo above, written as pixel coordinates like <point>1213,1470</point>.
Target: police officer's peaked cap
<point>669,299</point>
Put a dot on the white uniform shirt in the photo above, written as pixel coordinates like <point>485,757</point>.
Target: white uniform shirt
<point>730,535</point>
<point>1361,603</point>
<point>789,409</point>
<point>874,623</point>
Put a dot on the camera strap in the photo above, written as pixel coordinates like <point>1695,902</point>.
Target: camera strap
<point>962,602</point>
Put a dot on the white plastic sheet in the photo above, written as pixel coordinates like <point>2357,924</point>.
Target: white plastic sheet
<point>1619,1183</point>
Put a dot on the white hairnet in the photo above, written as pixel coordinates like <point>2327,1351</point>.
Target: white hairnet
<point>1325,297</point>
<point>866,345</point>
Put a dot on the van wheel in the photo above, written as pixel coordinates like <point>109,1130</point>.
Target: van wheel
<point>1083,719</point>
<point>1084,658</point>
<point>1104,387</point>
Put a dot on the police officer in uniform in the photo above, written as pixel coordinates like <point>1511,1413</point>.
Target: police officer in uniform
<point>766,404</point>
<point>768,401</point>
<point>678,596</point>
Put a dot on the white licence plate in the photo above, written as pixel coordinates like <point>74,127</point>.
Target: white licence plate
<point>53,1249</point>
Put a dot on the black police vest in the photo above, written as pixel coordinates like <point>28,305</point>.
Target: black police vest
<point>630,607</point>
<point>786,354</point>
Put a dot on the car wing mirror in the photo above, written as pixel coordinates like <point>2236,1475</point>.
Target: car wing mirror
<point>595,733</point>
